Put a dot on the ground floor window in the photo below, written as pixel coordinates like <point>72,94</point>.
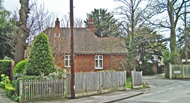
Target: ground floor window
<point>98,62</point>
<point>67,61</point>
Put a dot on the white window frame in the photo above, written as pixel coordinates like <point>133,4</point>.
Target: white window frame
<point>68,59</point>
<point>98,61</point>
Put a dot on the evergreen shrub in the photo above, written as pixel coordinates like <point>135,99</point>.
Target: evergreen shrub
<point>41,59</point>
<point>19,68</point>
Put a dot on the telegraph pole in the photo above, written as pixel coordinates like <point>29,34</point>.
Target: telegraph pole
<point>72,52</point>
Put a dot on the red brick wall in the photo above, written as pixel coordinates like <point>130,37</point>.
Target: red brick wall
<point>85,63</point>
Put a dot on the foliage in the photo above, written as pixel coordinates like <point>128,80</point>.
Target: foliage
<point>5,80</point>
<point>7,32</point>
<point>58,74</point>
<point>19,68</point>
<point>147,69</point>
<point>105,23</point>
<point>10,91</point>
<point>166,56</point>
<point>129,83</point>
<point>5,67</point>
<point>41,59</point>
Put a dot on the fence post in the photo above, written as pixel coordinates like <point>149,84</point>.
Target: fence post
<point>12,69</point>
<point>170,70</point>
<point>20,89</point>
<point>125,79</point>
<point>132,75</point>
<point>64,81</point>
<point>100,81</point>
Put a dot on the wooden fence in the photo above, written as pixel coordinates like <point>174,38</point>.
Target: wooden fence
<point>97,82</point>
<point>31,90</point>
<point>85,84</point>
<point>137,81</point>
<point>177,71</point>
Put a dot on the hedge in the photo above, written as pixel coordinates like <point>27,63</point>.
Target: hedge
<point>10,91</point>
<point>19,68</point>
<point>5,67</point>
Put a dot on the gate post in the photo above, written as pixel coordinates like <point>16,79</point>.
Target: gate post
<point>20,89</point>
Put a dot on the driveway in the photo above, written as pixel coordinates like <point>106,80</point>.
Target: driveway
<point>163,91</point>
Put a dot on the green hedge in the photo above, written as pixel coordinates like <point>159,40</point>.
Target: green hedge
<point>10,91</point>
<point>19,68</point>
<point>5,67</point>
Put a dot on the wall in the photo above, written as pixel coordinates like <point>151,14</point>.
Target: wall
<point>85,63</point>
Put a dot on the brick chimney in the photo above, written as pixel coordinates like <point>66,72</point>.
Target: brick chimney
<point>91,26</point>
<point>57,28</point>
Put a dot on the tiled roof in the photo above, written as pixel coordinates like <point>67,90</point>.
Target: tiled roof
<point>85,42</point>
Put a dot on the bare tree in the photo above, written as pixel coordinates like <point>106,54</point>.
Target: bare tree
<point>174,11</point>
<point>78,22</point>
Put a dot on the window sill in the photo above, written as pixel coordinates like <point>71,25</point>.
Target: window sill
<point>98,68</point>
<point>67,66</point>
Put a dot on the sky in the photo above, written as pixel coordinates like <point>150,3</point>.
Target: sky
<point>61,7</point>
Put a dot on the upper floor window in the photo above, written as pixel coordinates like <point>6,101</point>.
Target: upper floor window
<point>98,62</point>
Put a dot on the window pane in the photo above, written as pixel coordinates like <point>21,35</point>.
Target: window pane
<point>96,57</point>
<point>69,63</point>
<point>66,57</point>
<point>96,63</point>
<point>101,64</point>
<point>100,57</point>
<point>66,63</point>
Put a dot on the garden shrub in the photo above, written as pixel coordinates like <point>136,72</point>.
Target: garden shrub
<point>10,91</point>
<point>41,59</point>
<point>5,80</point>
<point>147,69</point>
<point>5,67</point>
<point>19,68</point>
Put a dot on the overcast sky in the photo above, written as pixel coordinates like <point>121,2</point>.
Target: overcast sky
<point>61,7</point>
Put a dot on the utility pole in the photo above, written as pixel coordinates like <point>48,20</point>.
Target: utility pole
<point>72,52</point>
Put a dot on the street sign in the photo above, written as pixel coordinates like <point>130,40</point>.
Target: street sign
<point>140,62</point>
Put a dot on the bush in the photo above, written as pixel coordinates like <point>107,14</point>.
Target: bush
<point>147,69</point>
<point>5,67</point>
<point>19,68</point>
<point>41,59</point>
<point>5,80</point>
<point>10,91</point>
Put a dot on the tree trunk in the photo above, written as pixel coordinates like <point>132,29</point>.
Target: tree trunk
<point>173,45</point>
<point>22,31</point>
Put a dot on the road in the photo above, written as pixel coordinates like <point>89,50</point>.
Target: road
<point>163,91</point>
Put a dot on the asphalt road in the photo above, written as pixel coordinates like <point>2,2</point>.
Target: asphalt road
<point>163,91</point>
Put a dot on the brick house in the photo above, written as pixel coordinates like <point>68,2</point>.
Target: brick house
<point>90,52</point>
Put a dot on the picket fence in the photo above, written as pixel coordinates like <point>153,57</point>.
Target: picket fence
<point>31,90</point>
<point>85,84</point>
